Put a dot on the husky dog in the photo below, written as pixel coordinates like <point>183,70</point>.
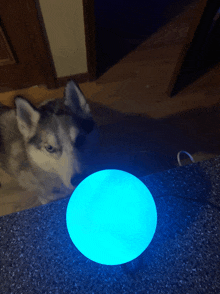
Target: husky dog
<point>45,148</point>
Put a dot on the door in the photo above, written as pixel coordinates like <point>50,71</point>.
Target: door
<point>25,58</point>
<point>200,52</point>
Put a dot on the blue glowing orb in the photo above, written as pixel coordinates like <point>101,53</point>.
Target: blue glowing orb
<point>111,217</point>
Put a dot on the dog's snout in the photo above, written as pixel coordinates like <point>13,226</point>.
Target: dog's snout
<point>77,179</point>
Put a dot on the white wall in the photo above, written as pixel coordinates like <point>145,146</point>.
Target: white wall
<point>64,25</point>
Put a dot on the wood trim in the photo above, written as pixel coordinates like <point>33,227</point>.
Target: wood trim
<point>198,12</point>
<point>40,41</point>
<point>89,24</point>
<point>38,35</point>
<point>79,78</point>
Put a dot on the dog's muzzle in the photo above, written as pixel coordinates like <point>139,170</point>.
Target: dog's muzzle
<point>75,181</point>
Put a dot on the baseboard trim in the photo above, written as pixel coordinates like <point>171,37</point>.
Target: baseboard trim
<point>79,78</point>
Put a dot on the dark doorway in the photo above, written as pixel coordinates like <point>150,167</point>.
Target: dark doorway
<point>123,25</point>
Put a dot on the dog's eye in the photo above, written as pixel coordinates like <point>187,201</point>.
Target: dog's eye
<point>50,148</point>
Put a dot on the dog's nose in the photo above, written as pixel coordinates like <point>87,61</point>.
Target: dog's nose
<point>77,179</point>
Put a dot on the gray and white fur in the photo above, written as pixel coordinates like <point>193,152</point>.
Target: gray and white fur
<point>45,148</point>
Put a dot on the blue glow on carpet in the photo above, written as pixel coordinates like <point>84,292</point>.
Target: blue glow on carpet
<point>111,217</point>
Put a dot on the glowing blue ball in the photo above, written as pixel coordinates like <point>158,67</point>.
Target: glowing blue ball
<point>111,217</point>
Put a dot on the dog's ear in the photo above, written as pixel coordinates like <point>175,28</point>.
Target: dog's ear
<point>75,100</point>
<point>27,117</point>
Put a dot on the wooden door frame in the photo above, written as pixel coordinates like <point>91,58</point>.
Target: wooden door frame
<point>16,17</point>
<point>32,22</point>
<point>89,28</point>
<point>39,41</point>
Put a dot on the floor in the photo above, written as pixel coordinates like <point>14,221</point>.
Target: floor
<point>142,128</point>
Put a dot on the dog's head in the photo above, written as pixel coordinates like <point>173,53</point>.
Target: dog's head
<point>58,134</point>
